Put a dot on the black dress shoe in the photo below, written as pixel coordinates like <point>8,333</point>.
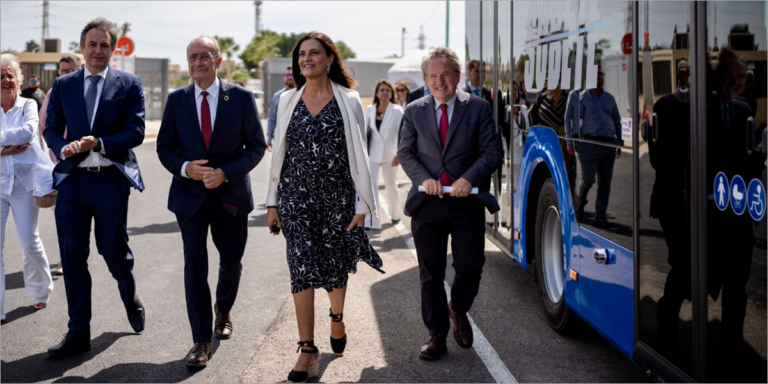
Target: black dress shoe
<point>136,316</point>
<point>72,343</point>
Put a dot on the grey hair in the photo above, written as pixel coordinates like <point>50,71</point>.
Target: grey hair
<point>101,24</point>
<point>72,59</point>
<point>441,53</point>
<point>12,61</point>
<point>215,43</point>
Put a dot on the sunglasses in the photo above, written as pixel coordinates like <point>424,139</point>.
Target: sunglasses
<point>402,90</point>
<point>288,75</point>
<point>33,81</point>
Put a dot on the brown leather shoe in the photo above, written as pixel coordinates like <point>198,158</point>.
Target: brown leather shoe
<point>434,348</point>
<point>462,330</point>
<point>223,325</point>
<point>198,356</point>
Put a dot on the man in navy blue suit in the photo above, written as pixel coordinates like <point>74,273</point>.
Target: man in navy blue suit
<point>209,140</point>
<point>103,110</point>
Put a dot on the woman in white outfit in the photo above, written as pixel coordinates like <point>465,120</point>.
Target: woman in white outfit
<point>382,121</point>
<point>27,173</point>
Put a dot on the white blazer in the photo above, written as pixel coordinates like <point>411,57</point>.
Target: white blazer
<point>33,168</point>
<point>383,145</point>
<point>354,131</point>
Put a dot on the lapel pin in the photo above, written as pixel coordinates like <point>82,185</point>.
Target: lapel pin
<point>226,97</point>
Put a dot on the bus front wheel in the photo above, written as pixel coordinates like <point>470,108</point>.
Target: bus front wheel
<point>550,261</point>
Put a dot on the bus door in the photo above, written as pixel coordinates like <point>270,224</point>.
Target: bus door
<point>732,275</point>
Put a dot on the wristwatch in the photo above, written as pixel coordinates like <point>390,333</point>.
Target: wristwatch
<point>98,146</point>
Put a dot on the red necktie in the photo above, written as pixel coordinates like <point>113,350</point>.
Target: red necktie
<point>444,179</point>
<point>205,123</point>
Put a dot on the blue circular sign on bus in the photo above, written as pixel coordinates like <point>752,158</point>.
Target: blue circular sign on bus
<point>721,191</point>
<point>738,195</point>
<point>756,199</point>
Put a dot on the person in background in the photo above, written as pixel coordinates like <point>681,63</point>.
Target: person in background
<point>601,123</point>
<point>449,139</point>
<point>239,82</point>
<point>34,91</point>
<point>382,122</point>
<point>26,173</point>
<point>419,92</point>
<point>102,110</point>
<point>68,63</point>
<point>272,116</point>
<point>211,187</point>
<point>401,93</point>
<point>473,85</point>
<point>320,190</point>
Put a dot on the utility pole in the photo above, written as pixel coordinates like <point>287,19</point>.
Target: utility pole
<point>447,22</point>
<point>258,17</point>
<point>402,44</point>
<point>45,25</point>
<point>421,38</point>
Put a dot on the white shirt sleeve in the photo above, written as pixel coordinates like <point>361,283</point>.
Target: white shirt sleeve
<point>360,206</point>
<point>26,132</point>
<point>184,170</point>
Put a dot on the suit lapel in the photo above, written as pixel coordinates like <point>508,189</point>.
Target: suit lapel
<point>386,133</point>
<point>459,108</point>
<point>112,84</point>
<point>196,132</point>
<point>221,111</point>
<point>429,114</point>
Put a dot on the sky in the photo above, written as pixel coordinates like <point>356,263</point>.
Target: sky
<point>162,29</point>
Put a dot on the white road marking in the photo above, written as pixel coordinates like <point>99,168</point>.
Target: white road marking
<point>482,347</point>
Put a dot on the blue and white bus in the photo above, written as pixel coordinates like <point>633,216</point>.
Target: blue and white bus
<point>642,216</point>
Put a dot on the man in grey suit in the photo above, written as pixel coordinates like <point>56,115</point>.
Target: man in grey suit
<point>449,138</point>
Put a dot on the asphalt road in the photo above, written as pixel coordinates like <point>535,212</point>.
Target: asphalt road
<point>382,314</point>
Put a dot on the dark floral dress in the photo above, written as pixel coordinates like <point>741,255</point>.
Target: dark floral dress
<point>316,202</point>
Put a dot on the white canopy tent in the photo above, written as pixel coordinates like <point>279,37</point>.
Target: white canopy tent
<point>408,69</point>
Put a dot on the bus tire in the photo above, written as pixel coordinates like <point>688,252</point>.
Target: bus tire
<point>548,229</point>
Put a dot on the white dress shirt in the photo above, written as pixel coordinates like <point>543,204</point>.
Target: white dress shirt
<point>32,168</point>
<point>213,102</point>
<point>438,112</point>
<point>94,159</point>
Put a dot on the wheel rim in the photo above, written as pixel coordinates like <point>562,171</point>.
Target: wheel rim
<point>552,254</point>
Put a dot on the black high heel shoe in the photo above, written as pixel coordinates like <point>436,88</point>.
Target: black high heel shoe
<point>303,376</point>
<point>338,345</point>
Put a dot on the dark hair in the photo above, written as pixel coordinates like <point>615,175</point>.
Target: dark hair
<point>289,68</point>
<point>337,74</point>
<point>70,58</point>
<point>376,92</point>
<point>101,24</point>
<point>726,53</point>
<point>472,64</point>
<point>518,91</point>
<point>35,76</point>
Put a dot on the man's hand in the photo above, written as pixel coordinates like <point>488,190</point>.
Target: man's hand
<point>269,145</point>
<point>461,188</point>
<point>215,179</point>
<point>395,162</point>
<point>433,187</point>
<point>88,143</point>
<point>14,149</point>
<point>72,148</point>
<point>357,221</point>
<point>571,151</point>
<point>196,171</point>
<point>618,153</point>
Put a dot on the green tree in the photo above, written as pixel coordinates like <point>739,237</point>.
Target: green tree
<point>228,48</point>
<point>241,74</point>
<point>74,46</point>
<point>8,50</point>
<point>31,46</point>
<point>124,29</point>
<point>345,51</point>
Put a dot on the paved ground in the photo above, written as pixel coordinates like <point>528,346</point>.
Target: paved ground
<point>383,316</point>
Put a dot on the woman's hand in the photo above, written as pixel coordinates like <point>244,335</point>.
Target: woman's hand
<point>358,220</point>
<point>272,218</point>
<point>15,149</point>
<point>395,162</point>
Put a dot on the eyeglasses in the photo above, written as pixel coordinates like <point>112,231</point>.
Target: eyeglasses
<point>204,57</point>
<point>63,72</point>
<point>288,75</point>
